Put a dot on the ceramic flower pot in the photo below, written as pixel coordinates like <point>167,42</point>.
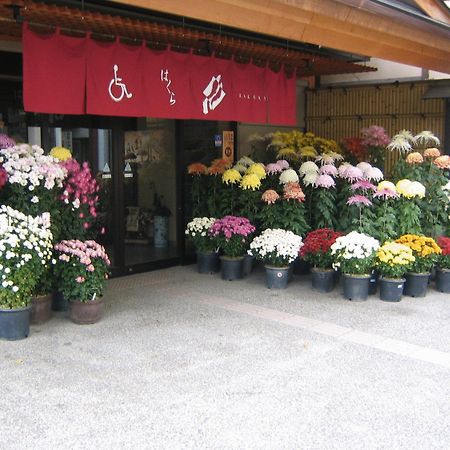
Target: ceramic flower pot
<point>85,313</point>
<point>15,323</point>
<point>355,287</point>
<point>322,280</point>
<point>443,280</point>
<point>232,268</point>
<point>277,277</point>
<point>416,284</point>
<point>41,308</point>
<point>208,262</point>
<point>391,289</point>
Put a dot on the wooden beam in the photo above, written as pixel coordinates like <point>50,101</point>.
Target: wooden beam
<point>323,22</point>
<point>434,9</point>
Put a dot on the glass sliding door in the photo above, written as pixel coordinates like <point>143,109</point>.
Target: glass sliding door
<point>150,203</point>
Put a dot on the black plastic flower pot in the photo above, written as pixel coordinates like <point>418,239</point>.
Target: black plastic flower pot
<point>443,280</point>
<point>232,268</point>
<point>59,302</point>
<point>355,287</point>
<point>391,290</point>
<point>277,277</point>
<point>322,280</point>
<point>248,265</point>
<point>373,282</point>
<point>208,262</point>
<point>416,284</point>
<point>15,323</point>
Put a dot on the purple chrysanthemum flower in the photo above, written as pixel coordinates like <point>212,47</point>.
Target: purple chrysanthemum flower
<point>328,169</point>
<point>273,169</point>
<point>359,200</point>
<point>385,194</point>
<point>6,141</point>
<point>283,164</point>
<point>363,184</point>
<point>374,173</point>
<point>352,173</point>
<point>325,181</point>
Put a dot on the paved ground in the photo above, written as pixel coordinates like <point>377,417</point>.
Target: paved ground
<point>188,361</point>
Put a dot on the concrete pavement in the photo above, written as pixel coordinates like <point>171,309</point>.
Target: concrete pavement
<point>188,361</point>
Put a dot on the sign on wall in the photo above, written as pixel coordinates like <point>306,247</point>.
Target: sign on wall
<point>228,146</point>
<point>69,75</point>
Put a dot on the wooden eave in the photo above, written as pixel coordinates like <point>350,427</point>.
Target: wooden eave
<point>355,26</point>
<point>45,17</point>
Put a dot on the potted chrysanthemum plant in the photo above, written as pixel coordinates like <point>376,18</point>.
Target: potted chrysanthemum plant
<point>393,260</point>
<point>277,248</point>
<point>317,251</point>
<point>232,234</point>
<point>426,252</point>
<point>25,249</point>
<point>354,255</point>
<point>82,268</point>
<point>443,265</point>
<point>197,231</point>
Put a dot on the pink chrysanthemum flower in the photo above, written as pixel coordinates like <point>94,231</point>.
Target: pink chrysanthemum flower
<point>270,197</point>
<point>273,169</point>
<point>283,164</point>
<point>352,173</point>
<point>325,181</point>
<point>385,194</point>
<point>364,166</point>
<point>359,200</point>
<point>328,169</point>
<point>374,173</point>
<point>363,184</point>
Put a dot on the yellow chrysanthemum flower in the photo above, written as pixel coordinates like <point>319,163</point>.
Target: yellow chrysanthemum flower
<point>250,181</point>
<point>258,169</point>
<point>308,152</point>
<point>231,176</point>
<point>61,153</point>
<point>287,153</point>
<point>388,185</point>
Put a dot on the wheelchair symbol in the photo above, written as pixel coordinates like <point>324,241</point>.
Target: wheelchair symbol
<point>118,90</point>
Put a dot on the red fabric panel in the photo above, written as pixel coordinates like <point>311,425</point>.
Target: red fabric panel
<point>114,79</point>
<point>212,88</point>
<point>167,88</point>
<point>249,91</point>
<point>54,70</point>
<point>282,98</point>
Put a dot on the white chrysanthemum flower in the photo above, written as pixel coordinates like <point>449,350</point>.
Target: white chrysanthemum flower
<point>288,176</point>
<point>310,179</point>
<point>308,167</point>
<point>426,139</point>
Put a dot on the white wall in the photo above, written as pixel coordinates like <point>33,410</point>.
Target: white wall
<point>388,71</point>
